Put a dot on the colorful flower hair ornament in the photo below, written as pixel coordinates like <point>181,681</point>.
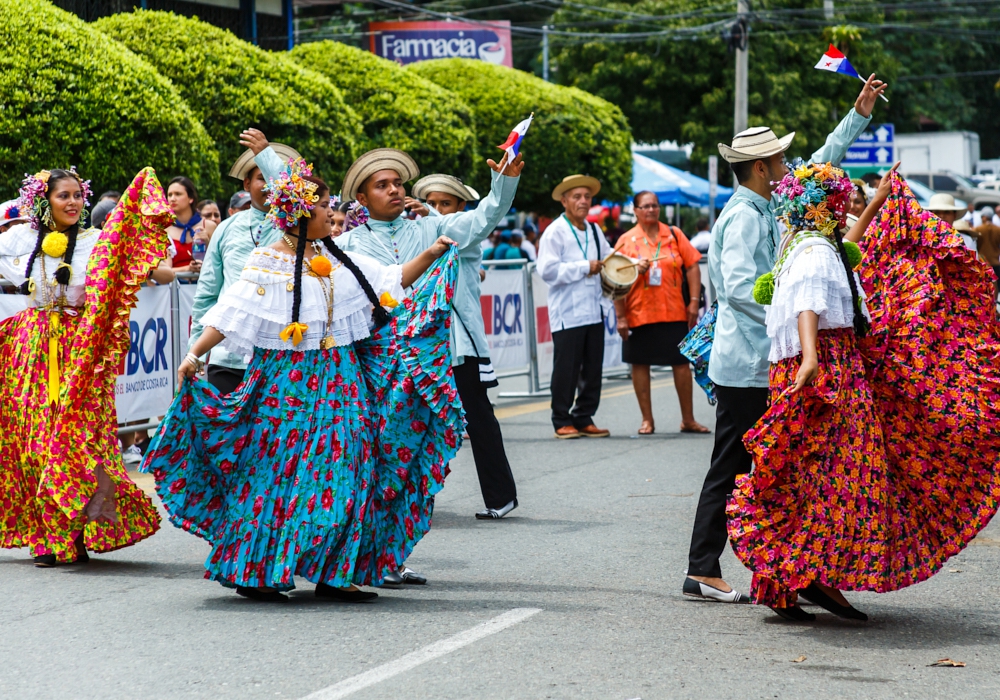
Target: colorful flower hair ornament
<point>33,201</point>
<point>290,197</point>
<point>814,197</point>
<point>357,215</point>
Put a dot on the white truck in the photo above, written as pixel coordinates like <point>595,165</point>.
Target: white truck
<point>930,151</point>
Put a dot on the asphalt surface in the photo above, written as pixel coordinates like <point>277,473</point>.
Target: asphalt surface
<point>598,546</point>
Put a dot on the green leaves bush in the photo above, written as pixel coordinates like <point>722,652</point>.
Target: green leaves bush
<point>231,85</point>
<point>398,108</point>
<point>73,97</point>
<point>573,131</point>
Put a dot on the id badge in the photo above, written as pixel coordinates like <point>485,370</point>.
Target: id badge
<point>655,276</point>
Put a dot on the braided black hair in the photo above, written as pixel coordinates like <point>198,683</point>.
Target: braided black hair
<point>300,254</point>
<point>379,314</point>
<point>63,274</point>
<point>861,325</point>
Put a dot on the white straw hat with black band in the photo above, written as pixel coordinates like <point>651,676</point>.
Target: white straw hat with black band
<point>449,184</point>
<point>374,161</point>
<point>245,163</point>
<point>755,144</point>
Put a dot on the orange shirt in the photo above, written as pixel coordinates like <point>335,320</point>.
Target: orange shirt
<point>658,304</point>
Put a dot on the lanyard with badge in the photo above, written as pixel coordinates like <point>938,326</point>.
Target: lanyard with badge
<point>572,229</point>
<point>655,275</point>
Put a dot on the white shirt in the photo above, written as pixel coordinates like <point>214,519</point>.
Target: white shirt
<point>702,241</point>
<point>564,255</point>
<point>529,250</point>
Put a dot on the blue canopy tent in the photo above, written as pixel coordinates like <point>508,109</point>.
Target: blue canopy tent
<point>672,185</point>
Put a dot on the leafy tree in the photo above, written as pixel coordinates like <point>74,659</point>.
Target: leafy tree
<point>231,85</point>
<point>398,108</point>
<point>573,131</point>
<point>74,97</point>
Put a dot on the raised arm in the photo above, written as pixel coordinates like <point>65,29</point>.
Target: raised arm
<point>852,125</point>
<point>412,269</point>
<point>857,231</point>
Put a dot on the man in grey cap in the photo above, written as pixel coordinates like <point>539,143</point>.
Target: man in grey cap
<point>239,202</point>
<point>470,353</point>
<point>232,243</point>
<point>744,245</point>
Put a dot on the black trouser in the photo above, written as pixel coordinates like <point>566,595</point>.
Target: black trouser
<point>738,410</point>
<point>495,477</point>
<point>577,368</point>
<point>225,379</point>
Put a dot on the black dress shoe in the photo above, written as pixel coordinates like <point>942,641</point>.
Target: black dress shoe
<point>794,613</point>
<point>45,561</point>
<point>815,594</point>
<point>697,589</point>
<point>262,596</point>
<point>341,596</point>
<point>412,578</point>
<point>392,579</point>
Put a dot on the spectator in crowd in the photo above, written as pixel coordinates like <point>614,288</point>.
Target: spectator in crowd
<point>339,217</point>
<point>239,202</point>
<point>943,206</point>
<point>859,200</point>
<point>110,196</point>
<point>988,239</point>
<point>209,210</point>
<point>101,211</point>
<point>872,180</point>
<point>577,309</point>
<point>654,317</point>
<point>702,237</point>
<point>529,245</point>
<point>986,215</point>
<point>10,214</point>
<point>182,195</point>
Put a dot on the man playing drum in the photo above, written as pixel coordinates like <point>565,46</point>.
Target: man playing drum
<point>570,257</point>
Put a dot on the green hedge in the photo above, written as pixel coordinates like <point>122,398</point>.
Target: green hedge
<point>573,131</point>
<point>231,85</point>
<point>71,96</point>
<point>398,108</point>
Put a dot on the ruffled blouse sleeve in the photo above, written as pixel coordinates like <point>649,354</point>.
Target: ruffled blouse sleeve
<point>814,280</point>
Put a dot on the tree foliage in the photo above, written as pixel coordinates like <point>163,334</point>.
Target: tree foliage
<point>573,131</point>
<point>231,85</point>
<point>398,108</point>
<point>74,97</point>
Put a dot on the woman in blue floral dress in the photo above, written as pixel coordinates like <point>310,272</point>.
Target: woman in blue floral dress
<point>279,475</point>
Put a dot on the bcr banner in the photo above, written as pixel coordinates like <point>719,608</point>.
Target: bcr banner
<point>144,388</point>
<point>502,301</point>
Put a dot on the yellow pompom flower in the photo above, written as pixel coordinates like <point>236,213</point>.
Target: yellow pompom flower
<point>321,265</point>
<point>54,244</point>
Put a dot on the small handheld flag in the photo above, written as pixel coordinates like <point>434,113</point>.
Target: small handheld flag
<point>512,146</point>
<point>836,62</point>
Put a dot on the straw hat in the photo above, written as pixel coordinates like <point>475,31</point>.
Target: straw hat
<point>444,183</point>
<point>755,144</point>
<point>943,202</point>
<point>963,226</point>
<point>245,163</point>
<point>573,181</point>
<point>373,161</point>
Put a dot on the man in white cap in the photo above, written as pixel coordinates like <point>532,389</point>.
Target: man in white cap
<point>232,243</point>
<point>10,214</point>
<point>447,195</point>
<point>744,246</point>
<point>570,255</point>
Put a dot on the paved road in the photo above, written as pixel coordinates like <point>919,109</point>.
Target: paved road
<point>598,546</point>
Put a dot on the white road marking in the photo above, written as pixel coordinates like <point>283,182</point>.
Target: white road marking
<point>351,685</point>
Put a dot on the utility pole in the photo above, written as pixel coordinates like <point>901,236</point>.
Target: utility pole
<point>828,9</point>
<point>545,53</point>
<point>742,64</point>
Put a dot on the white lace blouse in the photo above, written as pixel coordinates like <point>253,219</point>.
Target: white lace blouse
<point>812,279</point>
<point>16,246</point>
<point>254,311</point>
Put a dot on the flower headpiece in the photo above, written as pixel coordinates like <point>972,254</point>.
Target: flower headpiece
<point>32,200</point>
<point>357,215</point>
<point>290,196</point>
<point>815,197</point>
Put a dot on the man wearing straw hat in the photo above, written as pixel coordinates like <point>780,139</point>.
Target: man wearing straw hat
<point>745,241</point>
<point>942,205</point>
<point>232,243</point>
<point>447,196</point>
<point>570,257</point>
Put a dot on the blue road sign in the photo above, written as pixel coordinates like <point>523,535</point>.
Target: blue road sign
<point>874,147</point>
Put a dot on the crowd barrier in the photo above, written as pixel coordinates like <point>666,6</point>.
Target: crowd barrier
<point>515,314</point>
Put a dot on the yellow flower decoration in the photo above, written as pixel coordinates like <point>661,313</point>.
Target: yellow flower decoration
<point>817,212</point>
<point>827,227</point>
<point>387,301</point>
<point>803,171</point>
<point>54,244</point>
<point>43,176</point>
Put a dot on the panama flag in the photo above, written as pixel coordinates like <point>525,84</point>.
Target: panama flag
<point>513,143</point>
<point>836,62</point>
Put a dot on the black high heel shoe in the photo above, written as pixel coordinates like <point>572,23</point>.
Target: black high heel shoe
<point>45,561</point>
<point>815,594</point>
<point>261,596</point>
<point>794,613</point>
<point>81,550</point>
<point>341,596</point>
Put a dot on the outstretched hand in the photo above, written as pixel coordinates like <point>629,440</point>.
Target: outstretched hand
<point>872,90</point>
<point>513,169</point>
<point>255,140</point>
<point>885,186</point>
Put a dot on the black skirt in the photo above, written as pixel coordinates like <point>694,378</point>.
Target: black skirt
<point>655,344</point>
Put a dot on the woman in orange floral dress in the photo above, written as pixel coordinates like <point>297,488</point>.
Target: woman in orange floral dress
<point>63,487</point>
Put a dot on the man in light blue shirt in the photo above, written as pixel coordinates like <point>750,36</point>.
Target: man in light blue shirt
<point>231,245</point>
<point>744,246</point>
